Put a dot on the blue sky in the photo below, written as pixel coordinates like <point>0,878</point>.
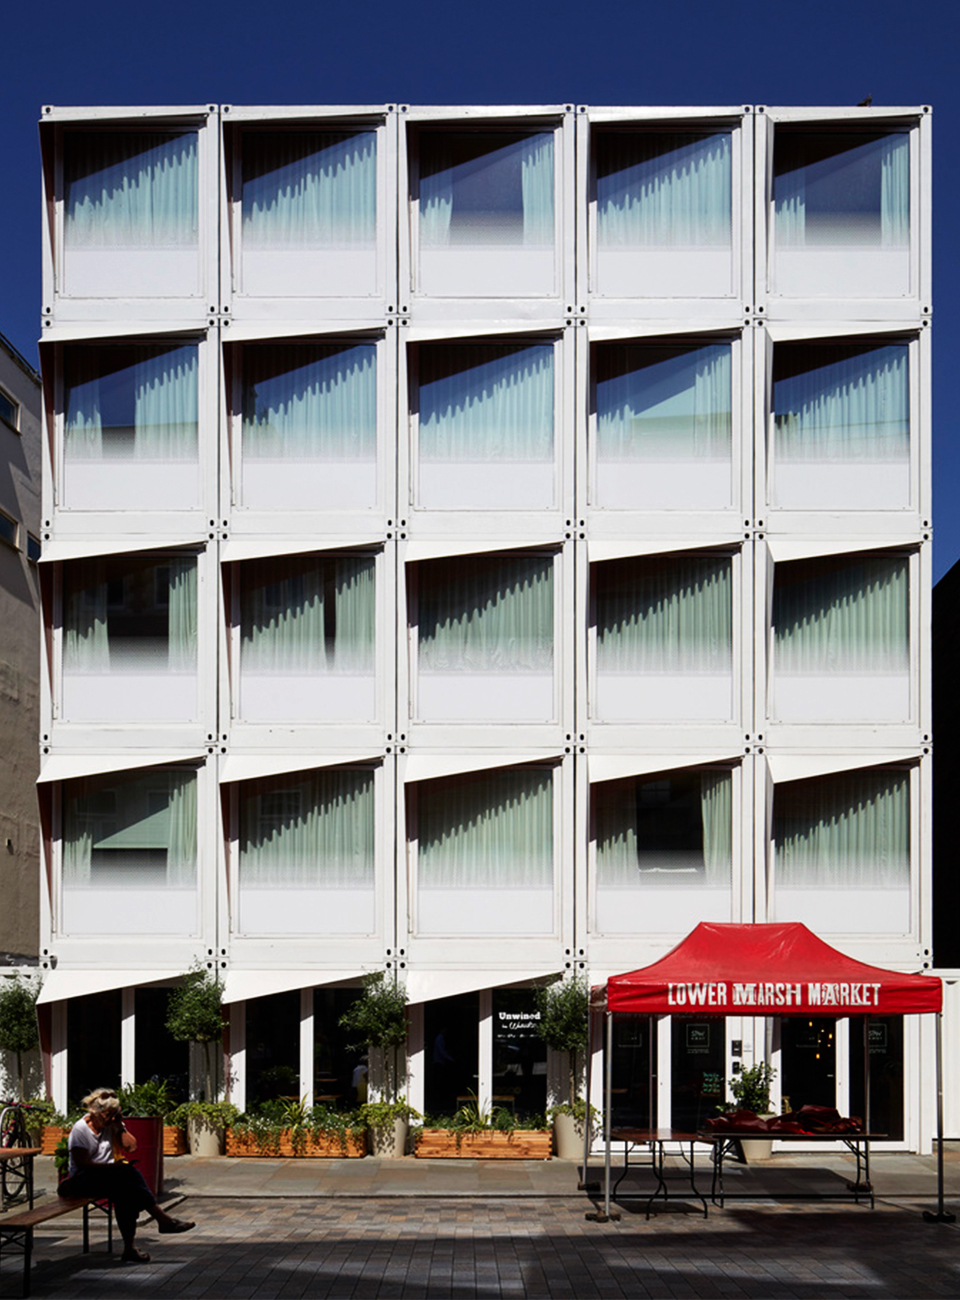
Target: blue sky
<point>498,52</point>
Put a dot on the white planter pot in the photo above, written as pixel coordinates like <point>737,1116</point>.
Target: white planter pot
<point>204,1140</point>
<point>389,1142</point>
<point>568,1137</point>
<point>757,1149</point>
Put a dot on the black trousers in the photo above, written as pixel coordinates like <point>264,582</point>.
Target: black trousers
<point>122,1183</point>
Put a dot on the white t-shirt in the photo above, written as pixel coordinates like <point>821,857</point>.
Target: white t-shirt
<point>99,1145</point>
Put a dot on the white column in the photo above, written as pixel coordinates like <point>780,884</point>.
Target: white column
<point>306,1046</point>
<point>416,1060</point>
<point>485,1056</point>
<point>238,1054</point>
<point>128,1036</point>
<point>58,1054</point>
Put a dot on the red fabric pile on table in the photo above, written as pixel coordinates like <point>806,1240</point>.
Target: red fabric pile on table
<point>808,1119</point>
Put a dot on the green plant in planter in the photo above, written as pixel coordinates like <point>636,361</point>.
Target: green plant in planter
<point>578,1109</point>
<point>195,1015</point>
<point>564,1008</point>
<point>751,1088</point>
<point>18,1019</point>
<point>210,1114</point>
<point>150,1100</point>
<point>379,1019</point>
<point>61,1156</point>
<point>381,1114</point>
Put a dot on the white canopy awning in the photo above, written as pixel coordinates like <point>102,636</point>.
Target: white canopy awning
<point>808,548</point>
<point>425,767</point>
<point>248,767</point>
<point>428,985</point>
<point>799,767</point>
<point>259,548</point>
<point>435,548</point>
<point>618,548</point>
<point>59,985</point>
<point>241,985</point>
<point>67,767</point>
<point>612,767</point>
<point>129,544</point>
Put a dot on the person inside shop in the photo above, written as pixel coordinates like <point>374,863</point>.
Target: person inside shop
<point>100,1148</point>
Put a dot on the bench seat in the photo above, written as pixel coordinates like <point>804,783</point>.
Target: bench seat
<point>16,1230</point>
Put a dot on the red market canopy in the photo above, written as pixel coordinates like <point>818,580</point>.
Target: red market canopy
<point>779,969</point>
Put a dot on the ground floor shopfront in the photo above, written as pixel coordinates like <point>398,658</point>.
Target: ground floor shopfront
<point>666,1070</point>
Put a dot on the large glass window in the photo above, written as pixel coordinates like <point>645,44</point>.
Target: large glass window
<point>667,193</point>
<point>663,846</point>
<point>131,213</point>
<point>130,853</point>
<point>519,1054</point>
<point>841,418</point>
<point>307,638</point>
<point>130,638</point>
<point>485,856</point>
<point>664,426</point>
<point>306,854</point>
<point>486,426</point>
<point>841,639</point>
<point>308,201</point>
<point>698,1056</point>
<point>486,624</point>
<point>451,1053</point>
<point>485,192</point>
<point>273,1048</point>
<point>309,426</point>
<point>884,1043</point>
<point>808,1062</point>
<point>842,851</point>
<point>130,427</point>
<point>664,638</point>
<point>839,194</point>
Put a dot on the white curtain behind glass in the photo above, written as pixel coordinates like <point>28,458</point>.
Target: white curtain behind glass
<point>841,615</point>
<point>663,404</point>
<point>847,831</point>
<point>486,189</point>
<point>308,615</point>
<point>664,615</point>
<point>310,402</point>
<point>130,190</point>
<point>627,860</point>
<point>317,832</point>
<point>486,614</point>
<point>491,830</point>
<point>136,403</point>
<point>98,636</point>
<point>309,189</point>
<point>486,402</point>
<point>663,189</point>
<point>122,821</point>
<point>844,404</point>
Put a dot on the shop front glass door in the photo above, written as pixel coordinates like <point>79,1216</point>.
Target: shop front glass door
<point>808,1062</point>
<point>885,1046</point>
<point>451,1053</point>
<point>698,1053</point>
<point>519,1054</point>
<point>633,1100</point>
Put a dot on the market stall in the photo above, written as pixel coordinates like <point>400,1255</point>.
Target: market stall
<point>778,969</point>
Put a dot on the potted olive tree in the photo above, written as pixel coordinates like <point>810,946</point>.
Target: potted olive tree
<point>378,1019</point>
<point>564,1009</point>
<point>195,1015</point>
<point>18,1021</point>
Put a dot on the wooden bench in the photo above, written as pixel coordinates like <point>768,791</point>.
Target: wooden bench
<point>16,1230</point>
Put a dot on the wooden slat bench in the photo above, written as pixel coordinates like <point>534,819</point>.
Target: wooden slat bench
<point>16,1230</point>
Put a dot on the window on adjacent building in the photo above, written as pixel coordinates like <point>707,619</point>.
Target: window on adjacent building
<point>842,851</point>
<point>664,637</point>
<point>130,427</point>
<point>841,420</point>
<point>839,194</point>
<point>9,410</point>
<point>9,531</point>
<point>841,639</point>
<point>309,189</point>
<point>130,638</point>
<point>306,850</point>
<point>486,426</point>
<point>485,635</point>
<point>309,426</point>
<point>485,855</point>
<point>307,637</point>
<point>663,426</point>
<point>130,852</point>
<point>130,189</point>
<point>657,840</point>
<point>33,548</point>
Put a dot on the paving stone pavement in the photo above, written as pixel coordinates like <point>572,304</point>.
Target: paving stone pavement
<point>380,1248</point>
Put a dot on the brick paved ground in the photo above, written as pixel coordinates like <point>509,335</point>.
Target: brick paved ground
<point>509,1247</point>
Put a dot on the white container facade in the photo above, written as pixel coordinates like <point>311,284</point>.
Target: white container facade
<point>484,542</point>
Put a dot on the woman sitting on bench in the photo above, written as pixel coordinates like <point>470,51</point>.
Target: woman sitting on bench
<point>99,1144</point>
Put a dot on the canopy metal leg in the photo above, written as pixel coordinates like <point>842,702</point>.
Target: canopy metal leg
<point>605,1215</point>
<point>941,1215</point>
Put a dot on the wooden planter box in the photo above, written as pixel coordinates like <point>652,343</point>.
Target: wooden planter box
<point>174,1141</point>
<point>521,1144</point>
<point>324,1148</point>
<point>51,1139</point>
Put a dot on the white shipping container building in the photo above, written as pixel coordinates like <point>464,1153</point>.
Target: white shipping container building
<point>479,544</point>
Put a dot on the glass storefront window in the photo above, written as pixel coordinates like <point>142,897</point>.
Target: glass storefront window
<point>451,1053</point>
<point>634,1094</point>
<point>273,1048</point>
<point>808,1062</point>
<point>340,1075</point>
<point>885,1046</point>
<point>698,1052</point>
<point>519,1054</point>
